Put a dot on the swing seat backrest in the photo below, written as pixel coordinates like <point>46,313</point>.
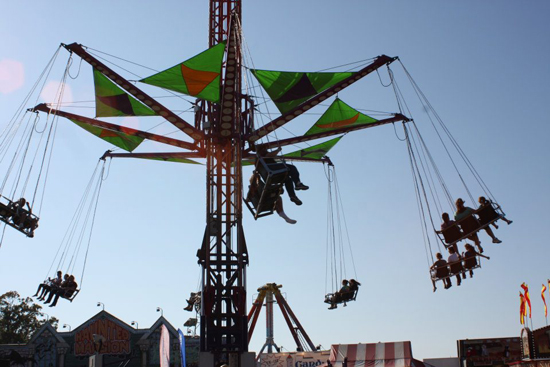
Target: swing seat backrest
<point>273,173</point>
<point>265,198</point>
<point>456,267</point>
<point>442,272</point>
<point>72,296</point>
<point>269,187</point>
<point>5,211</point>
<point>469,224</point>
<point>349,296</point>
<point>470,262</point>
<point>452,234</point>
<point>487,214</point>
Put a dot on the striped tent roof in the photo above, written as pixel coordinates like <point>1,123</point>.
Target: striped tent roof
<point>396,354</point>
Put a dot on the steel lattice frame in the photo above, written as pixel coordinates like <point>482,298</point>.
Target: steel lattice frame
<point>223,255</point>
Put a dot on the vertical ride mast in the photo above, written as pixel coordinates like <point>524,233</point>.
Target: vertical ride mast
<point>223,255</point>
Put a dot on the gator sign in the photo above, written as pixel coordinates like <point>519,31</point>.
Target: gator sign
<point>116,339</point>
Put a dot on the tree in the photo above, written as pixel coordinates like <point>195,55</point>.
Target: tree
<point>19,318</point>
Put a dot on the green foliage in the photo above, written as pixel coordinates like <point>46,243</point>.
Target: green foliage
<point>20,318</point>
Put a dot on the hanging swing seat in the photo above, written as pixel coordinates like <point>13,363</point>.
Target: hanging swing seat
<point>72,296</point>
<point>470,225</point>
<point>17,217</point>
<point>341,297</point>
<point>266,186</point>
<point>457,268</point>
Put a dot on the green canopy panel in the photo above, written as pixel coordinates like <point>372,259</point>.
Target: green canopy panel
<point>119,139</point>
<point>112,101</point>
<point>337,116</point>
<point>290,89</point>
<point>315,152</point>
<point>198,77</point>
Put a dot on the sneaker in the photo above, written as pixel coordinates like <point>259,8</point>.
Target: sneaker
<point>301,186</point>
<point>480,249</point>
<point>295,200</point>
<point>332,307</point>
<point>496,226</point>
<point>449,286</point>
<point>496,240</point>
<point>510,222</point>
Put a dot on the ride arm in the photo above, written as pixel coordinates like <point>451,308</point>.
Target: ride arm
<point>312,102</point>
<point>288,315</point>
<point>105,125</point>
<point>300,139</point>
<point>255,313</point>
<point>160,155</point>
<point>136,92</point>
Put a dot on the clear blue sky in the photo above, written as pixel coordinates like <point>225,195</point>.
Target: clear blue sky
<point>484,67</point>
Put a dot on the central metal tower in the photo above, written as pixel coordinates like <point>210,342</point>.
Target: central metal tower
<point>223,255</point>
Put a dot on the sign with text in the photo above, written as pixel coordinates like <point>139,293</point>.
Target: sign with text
<point>104,337</point>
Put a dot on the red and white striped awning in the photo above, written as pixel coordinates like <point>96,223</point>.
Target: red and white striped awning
<point>397,354</point>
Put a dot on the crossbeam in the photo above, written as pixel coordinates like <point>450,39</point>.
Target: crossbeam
<point>312,102</point>
<point>143,97</point>
<point>43,107</point>
<point>300,139</point>
<point>159,155</point>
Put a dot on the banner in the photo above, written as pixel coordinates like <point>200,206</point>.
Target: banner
<point>182,347</point>
<point>544,300</point>
<point>164,347</point>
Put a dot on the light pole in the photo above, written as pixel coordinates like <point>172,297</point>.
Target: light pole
<point>101,304</point>
<point>67,326</point>
<point>135,323</point>
<point>161,311</point>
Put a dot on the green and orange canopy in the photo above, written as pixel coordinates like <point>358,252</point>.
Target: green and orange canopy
<point>289,89</point>
<point>198,77</point>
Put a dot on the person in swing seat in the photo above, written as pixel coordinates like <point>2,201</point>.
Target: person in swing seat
<point>292,181</point>
<point>19,214</point>
<point>193,299</point>
<point>484,203</point>
<point>66,290</point>
<point>441,271</point>
<point>470,260</point>
<point>254,189</point>
<point>464,211</point>
<point>47,286</point>
<point>338,296</point>
<point>455,264</point>
<point>447,223</point>
<point>354,285</point>
<point>52,288</point>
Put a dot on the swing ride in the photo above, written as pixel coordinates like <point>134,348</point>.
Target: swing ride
<point>226,135</point>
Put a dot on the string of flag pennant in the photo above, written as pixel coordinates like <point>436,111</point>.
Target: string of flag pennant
<point>525,301</point>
